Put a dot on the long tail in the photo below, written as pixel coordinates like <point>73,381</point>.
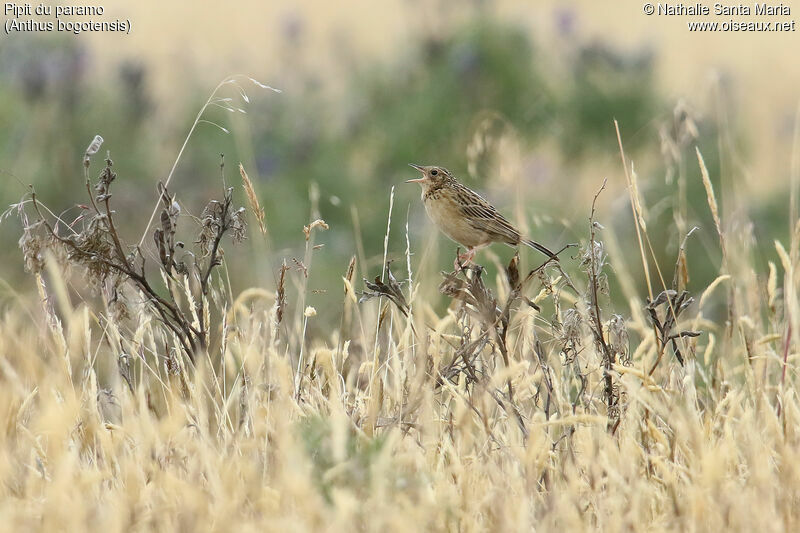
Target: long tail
<point>537,246</point>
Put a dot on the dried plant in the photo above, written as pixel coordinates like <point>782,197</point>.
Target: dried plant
<point>391,289</point>
<point>280,301</point>
<point>592,262</point>
<point>466,286</point>
<point>111,264</point>
<point>318,223</point>
<point>673,305</point>
<point>250,191</point>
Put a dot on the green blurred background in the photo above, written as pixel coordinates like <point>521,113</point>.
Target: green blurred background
<point>517,99</point>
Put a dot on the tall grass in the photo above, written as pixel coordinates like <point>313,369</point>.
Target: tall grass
<point>527,404</point>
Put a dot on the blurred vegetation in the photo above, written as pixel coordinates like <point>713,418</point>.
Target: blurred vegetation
<point>423,106</point>
<point>327,449</point>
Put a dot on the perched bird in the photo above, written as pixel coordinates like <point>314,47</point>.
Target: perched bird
<point>464,216</point>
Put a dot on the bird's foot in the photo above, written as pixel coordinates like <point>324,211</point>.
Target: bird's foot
<point>464,259</point>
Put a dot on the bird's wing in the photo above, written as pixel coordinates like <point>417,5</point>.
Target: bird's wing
<point>484,217</point>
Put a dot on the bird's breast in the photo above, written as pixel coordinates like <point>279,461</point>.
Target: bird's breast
<point>444,213</point>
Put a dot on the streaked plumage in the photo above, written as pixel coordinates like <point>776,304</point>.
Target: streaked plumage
<point>463,215</point>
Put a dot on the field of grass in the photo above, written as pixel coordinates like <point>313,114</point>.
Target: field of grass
<point>139,393</point>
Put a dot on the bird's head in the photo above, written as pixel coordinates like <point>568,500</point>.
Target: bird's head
<point>432,176</point>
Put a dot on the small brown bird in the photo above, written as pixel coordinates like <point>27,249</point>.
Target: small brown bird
<point>464,216</point>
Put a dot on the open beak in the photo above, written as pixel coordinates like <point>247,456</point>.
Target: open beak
<point>421,169</point>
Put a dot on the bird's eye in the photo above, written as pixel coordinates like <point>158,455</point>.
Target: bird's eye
<point>434,172</point>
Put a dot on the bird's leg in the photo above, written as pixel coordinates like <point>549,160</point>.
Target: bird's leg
<point>459,261</point>
<point>463,259</point>
<point>467,257</point>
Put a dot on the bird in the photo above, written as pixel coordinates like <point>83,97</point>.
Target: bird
<point>465,216</point>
